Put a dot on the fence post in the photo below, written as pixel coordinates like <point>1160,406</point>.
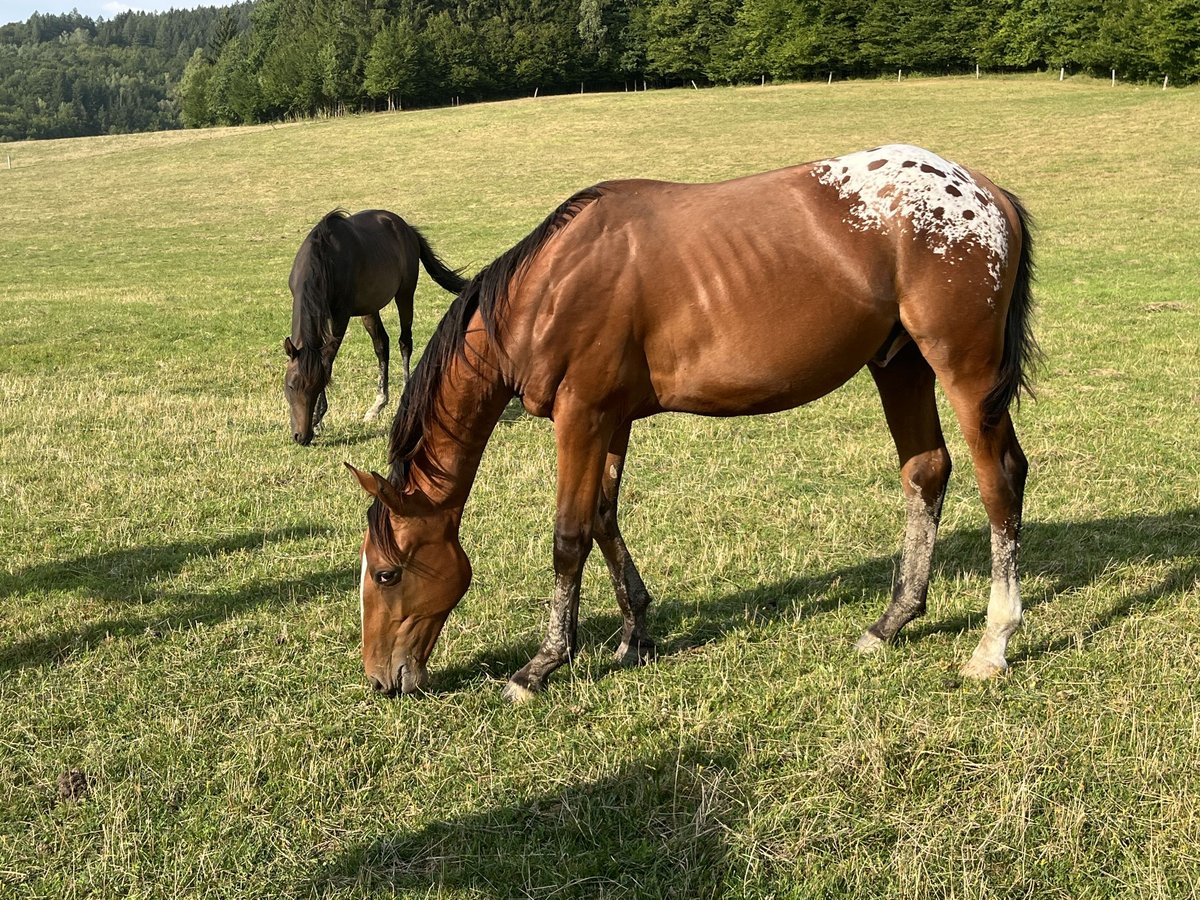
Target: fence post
<point>899,72</point>
<point>1165,79</point>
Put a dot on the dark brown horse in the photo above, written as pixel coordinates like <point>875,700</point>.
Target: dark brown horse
<point>351,265</point>
<point>746,296</point>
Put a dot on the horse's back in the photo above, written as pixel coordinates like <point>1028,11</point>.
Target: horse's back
<point>758,293</point>
<point>381,253</point>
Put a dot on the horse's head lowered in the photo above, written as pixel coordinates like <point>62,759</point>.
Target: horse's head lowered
<point>414,572</point>
<point>304,380</point>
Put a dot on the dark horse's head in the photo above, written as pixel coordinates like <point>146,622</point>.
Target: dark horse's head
<point>311,347</point>
<point>308,372</point>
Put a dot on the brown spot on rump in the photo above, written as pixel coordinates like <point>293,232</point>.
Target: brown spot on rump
<point>953,191</point>
<point>908,163</point>
<point>968,214</point>
<point>877,164</point>
<point>928,169</point>
<point>983,199</point>
<point>938,212</point>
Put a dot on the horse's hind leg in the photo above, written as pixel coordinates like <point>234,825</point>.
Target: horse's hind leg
<point>404,306</point>
<point>632,596</point>
<point>1000,469</point>
<point>379,340</point>
<point>906,388</point>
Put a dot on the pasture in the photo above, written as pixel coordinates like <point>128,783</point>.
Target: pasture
<point>179,617</point>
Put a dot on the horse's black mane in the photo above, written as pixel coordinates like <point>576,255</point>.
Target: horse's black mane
<point>487,293</point>
<point>316,320</point>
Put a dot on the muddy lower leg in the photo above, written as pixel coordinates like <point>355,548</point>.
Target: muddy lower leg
<point>1001,468</point>
<point>916,559</point>
<point>558,646</point>
<point>636,644</point>
<point>1003,611</point>
<point>582,442</point>
<point>906,389</point>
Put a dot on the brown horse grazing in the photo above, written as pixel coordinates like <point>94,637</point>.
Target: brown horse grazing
<point>746,296</point>
<point>351,265</point>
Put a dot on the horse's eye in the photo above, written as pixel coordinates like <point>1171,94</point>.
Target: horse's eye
<point>387,576</point>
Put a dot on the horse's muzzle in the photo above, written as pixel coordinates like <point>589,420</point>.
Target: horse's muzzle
<point>410,679</point>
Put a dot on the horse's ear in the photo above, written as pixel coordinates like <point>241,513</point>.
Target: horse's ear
<point>289,348</point>
<point>377,486</point>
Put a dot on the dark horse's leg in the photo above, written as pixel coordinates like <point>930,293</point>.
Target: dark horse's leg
<point>906,388</point>
<point>404,306</point>
<point>379,340</point>
<point>583,437</point>
<point>632,596</point>
<point>329,353</point>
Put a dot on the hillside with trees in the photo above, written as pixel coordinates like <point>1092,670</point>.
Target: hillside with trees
<point>274,59</point>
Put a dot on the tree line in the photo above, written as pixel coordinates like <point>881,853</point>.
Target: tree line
<point>68,75</point>
<point>272,59</point>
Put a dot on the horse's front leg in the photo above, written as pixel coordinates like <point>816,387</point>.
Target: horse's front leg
<point>329,353</point>
<point>582,437</point>
<point>636,644</point>
<point>379,340</point>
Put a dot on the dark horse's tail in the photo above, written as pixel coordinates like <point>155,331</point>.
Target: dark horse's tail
<point>1021,353</point>
<point>448,278</point>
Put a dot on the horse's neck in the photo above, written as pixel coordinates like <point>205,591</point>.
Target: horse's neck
<point>471,398</point>
<point>313,305</point>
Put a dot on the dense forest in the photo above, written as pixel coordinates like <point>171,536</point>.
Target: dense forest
<point>270,59</point>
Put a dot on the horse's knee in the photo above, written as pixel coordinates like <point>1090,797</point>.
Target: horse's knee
<point>571,546</point>
<point>928,474</point>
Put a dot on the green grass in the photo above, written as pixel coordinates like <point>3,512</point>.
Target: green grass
<point>179,612</point>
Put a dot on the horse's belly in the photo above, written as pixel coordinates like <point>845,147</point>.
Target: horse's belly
<point>735,372</point>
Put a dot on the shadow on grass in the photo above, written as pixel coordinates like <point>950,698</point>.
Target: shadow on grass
<point>126,579</point>
<point>1069,555</point>
<point>655,828</point>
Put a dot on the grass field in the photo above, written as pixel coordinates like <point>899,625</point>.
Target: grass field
<point>179,580</point>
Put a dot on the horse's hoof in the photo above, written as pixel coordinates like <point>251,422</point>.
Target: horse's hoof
<point>518,693</point>
<point>371,416</point>
<point>636,654</point>
<point>980,669</point>
<point>869,643</point>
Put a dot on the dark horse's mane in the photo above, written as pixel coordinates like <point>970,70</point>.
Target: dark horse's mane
<point>316,321</point>
<point>487,293</point>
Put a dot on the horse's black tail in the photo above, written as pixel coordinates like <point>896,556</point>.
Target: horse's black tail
<point>1021,353</point>
<point>448,278</point>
